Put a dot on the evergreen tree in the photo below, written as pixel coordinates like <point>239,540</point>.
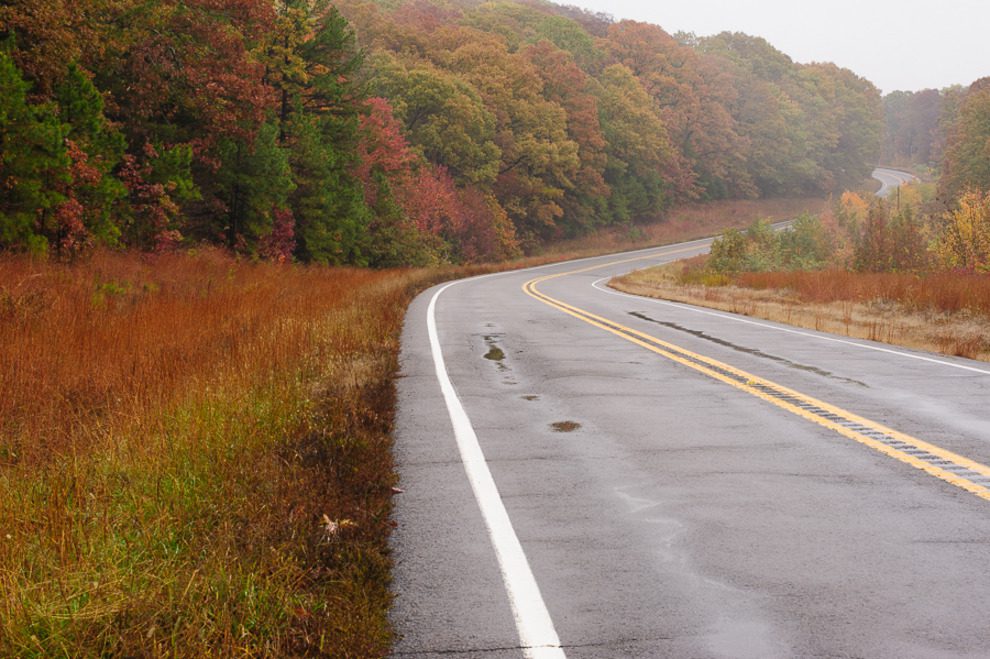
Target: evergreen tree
<point>328,203</point>
<point>254,182</point>
<point>33,163</point>
<point>95,148</point>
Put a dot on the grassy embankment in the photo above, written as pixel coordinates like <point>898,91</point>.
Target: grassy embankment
<point>195,450</point>
<point>944,312</point>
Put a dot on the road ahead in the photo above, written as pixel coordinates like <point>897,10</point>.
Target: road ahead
<point>715,486</point>
<point>891,179</point>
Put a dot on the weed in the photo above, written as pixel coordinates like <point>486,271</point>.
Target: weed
<point>172,438</point>
<point>942,312</point>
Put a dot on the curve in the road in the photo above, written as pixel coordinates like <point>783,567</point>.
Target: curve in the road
<point>598,285</point>
<point>958,470</point>
<point>891,179</point>
<point>679,514</point>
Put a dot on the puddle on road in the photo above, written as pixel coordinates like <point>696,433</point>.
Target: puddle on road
<point>565,426</point>
<point>495,353</point>
<point>748,351</point>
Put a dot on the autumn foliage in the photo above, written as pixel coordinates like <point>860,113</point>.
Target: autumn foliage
<point>174,430</point>
<point>411,132</point>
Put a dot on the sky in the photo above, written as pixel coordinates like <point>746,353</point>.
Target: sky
<point>898,45</point>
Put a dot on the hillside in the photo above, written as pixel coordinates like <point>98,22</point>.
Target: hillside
<point>389,133</point>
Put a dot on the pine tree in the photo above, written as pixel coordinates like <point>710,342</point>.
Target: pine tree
<point>95,148</point>
<point>33,163</point>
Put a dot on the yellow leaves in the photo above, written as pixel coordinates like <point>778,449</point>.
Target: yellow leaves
<point>853,205</point>
<point>965,240</point>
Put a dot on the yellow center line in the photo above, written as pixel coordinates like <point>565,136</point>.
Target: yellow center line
<point>935,460</point>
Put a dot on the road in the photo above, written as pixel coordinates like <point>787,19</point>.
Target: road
<point>715,486</point>
<point>891,179</point>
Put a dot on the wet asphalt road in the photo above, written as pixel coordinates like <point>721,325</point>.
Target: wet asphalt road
<point>676,515</point>
<point>891,179</point>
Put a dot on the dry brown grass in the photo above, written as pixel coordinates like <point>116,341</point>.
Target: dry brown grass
<point>181,441</point>
<point>947,313</point>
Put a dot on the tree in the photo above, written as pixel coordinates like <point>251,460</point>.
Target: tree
<point>693,97</point>
<point>565,84</point>
<point>33,163</point>
<point>849,117</point>
<point>642,168</point>
<point>967,158</point>
<point>912,125</point>
<point>328,202</point>
<point>311,61</point>
<point>442,114</point>
<point>539,159</point>
<point>96,149</point>
<point>254,182</point>
<point>964,239</point>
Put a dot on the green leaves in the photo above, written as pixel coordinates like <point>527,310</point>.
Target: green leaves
<point>232,121</point>
<point>33,163</point>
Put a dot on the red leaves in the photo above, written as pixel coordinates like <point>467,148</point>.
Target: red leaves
<point>193,60</point>
<point>71,231</point>
<point>150,202</point>
<point>472,222</point>
<point>280,243</point>
<point>382,147</point>
<point>82,172</point>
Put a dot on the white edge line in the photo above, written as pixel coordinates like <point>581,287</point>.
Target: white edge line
<point>537,635</point>
<point>819,337</point>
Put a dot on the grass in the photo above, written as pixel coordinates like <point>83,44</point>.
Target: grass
<point>195,451</point>
<point>195,456</point>
<point>940,312</point>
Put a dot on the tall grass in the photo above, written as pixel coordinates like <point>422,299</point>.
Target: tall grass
<point>195,456</point>
<point>947,292</point>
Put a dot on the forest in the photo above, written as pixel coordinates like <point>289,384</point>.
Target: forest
<point>196,426</point>
<point>394,133</point>
<point>946,131</point>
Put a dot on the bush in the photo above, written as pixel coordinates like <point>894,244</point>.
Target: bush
<point>806,245</point>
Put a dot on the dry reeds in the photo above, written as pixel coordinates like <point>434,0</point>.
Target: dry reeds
<point>172,432</point>
<point>942,312</point>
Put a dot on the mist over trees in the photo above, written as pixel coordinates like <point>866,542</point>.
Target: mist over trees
<point>947,130</point>
<point>388,133</point>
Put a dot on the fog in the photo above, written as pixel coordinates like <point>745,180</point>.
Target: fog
<point>906,45</point>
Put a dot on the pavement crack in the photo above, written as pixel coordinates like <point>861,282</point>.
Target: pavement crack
<point>749,351</point>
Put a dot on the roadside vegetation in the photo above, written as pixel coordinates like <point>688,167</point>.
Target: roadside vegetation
<point>195,448</point>
<point>196,366</point>
<point>379,134</point>
<point>195,456</point>
<point>865,270</point>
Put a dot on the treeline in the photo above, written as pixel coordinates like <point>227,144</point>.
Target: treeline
<point>947,130</point>
<point>406,133</point>
<point>911,234</point>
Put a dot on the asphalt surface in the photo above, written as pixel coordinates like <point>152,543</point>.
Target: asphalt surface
<point>891,179</point>
<point>678,514</point>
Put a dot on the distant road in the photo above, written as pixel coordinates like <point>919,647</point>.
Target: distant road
<point>891,179</point>
<point>591,474</point>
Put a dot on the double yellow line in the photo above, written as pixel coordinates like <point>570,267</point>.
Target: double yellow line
<point>958,470</point>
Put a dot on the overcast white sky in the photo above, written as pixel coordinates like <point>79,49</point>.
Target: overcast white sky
<point>905,44</point>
